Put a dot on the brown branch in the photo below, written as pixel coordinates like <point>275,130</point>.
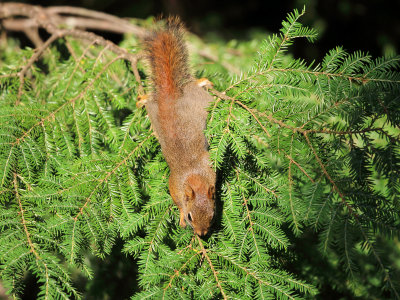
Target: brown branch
<point>19,24</point>
<point>23,221</point>
<point>89,36</point>
<point>290,179</point>
<point>77,65</point>
<point>48,19</point>
<point>251,223</point>
<point>136,73</point>
<point>336,189</point>
<point>349,132</point>
<point>220,95</point>
<point>72,51</point>
<point>298,165</point>
<point>124,25</point>
<point>215,273</point>
<point>78,34</point>
<point>9,75</point>
<point>33,35</point>
<point>260,184</point>
<point>254,116</point>
<point>40,15</point>
<point>28,26</point>
<point>178,272</point>
<point>251,111</point>
<point>223,96</point>
<point>84,23</point>
<point>31,61</point>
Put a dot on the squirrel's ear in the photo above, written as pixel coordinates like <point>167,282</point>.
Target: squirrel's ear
<point>189,192</point>
<point>210,192</point>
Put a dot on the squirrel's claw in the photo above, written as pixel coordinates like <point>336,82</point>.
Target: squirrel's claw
<point>142,100</point>
<point>204,82</point>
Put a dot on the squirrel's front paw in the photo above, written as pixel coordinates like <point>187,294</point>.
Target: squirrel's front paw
<point>141,100</point>
<point>182,222</point>
<point>204,82</point>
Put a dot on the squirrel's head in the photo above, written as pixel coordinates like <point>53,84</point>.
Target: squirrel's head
<point>200,203</point>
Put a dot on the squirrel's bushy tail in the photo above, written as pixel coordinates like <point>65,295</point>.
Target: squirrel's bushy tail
<point>168,59</point>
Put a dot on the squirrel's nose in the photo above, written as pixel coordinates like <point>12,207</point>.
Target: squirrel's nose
<point>201,232</point>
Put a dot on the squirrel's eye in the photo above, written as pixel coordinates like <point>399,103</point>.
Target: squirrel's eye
<point>189,217</point>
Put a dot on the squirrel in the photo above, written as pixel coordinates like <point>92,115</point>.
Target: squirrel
<point>178,113</point>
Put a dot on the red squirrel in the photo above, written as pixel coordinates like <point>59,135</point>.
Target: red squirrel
<point>178,113</point>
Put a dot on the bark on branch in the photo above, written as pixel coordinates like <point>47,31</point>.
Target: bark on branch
<point>62,22</point>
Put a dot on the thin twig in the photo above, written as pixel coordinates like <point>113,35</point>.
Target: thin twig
<point>136,73</point>
<point>298,165</point>
<point>226,97</point>
<point>23,221</point>
<point>349,207</point>
<point>31,61</point>
<point>215,273</point>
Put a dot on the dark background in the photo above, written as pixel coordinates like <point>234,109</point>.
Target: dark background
<point>369,25</point>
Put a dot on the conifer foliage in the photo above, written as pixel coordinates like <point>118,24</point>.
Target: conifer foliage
<point>299,149</point>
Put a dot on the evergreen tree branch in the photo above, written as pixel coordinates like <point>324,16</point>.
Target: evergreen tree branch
<point>248,217</point>
<point>23,221</point>
<point>38,259</point>
<point>210,263</point>
<point>258,277</point>
<point>223,96</point>
<point>299,166</point>
<point>178,272</point>
<point>258,183</point>
<point>323,168</point>
<point>378,259</point>
<point>286,36</point>
<point>291,184</point>
<point>108,175</point>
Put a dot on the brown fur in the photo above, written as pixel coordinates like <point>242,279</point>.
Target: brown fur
<point>178,114</point>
